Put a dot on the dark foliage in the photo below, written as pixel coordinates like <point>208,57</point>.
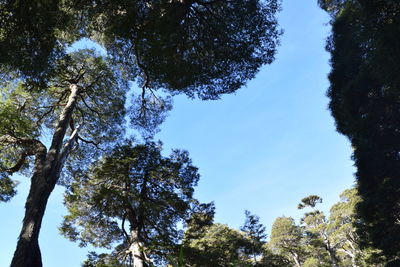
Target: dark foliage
<point>200,48</point>
<point>364,100</point>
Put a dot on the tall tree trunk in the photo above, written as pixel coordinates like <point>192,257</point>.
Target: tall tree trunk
<point>135,249</point>
<point>44,179</point>
<point>296,259</point>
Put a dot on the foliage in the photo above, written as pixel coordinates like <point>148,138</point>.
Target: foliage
<point>286,240</point>
<point>255,232</point>
<point>34,35</point>
<point>29,115</point>
<point>7,188</point>
<point>218,246</point>
<point>364,92</point>
<point>204,48</point>
<point>325,241</point>
<point>138,185</point>
<point>310,201</point>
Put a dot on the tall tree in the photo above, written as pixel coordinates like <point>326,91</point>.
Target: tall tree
<point>255,232</point>
<point>136,186</point>
<point>343,233</point>
<point>317,231</point>
<point>364,92</point>
<point>80,84</point>
<point>199,48</point>
<point>286,240</point>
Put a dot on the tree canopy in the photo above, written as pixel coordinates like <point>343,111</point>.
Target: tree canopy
<point>136,186</point>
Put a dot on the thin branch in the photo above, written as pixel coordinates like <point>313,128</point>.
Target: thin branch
<point>90,108</point>
<point>94,82</point>
<point>123,228</point>
<point>90,142</point>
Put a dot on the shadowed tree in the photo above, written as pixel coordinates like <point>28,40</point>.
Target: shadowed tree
<point>364,93</point>
<point>201,48</point>
<point>218,245</point>
<point>134,197</point>
<point>34,35</point>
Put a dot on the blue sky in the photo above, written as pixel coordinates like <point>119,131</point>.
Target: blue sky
<point>261,149</point>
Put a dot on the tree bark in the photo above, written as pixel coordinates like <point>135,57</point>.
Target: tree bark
<point>296,259</point>
<point>135,249</point>
<point>331,251</point>
<point>45,176</point>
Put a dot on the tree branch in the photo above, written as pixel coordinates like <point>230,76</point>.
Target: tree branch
<point>90,142</point>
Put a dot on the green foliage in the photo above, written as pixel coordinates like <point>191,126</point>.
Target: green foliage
<point>30,114</point>
<point>7,188</point>
<point>218,246</point>
<point>286,239</point>
<point>203,48</point>
<point>199,48</point>
<point>255,232</point>
<point>134,184</point>
<point>32,34</point>
<point>325,241</point>
<point>310,201</point>
<point>364,93</point>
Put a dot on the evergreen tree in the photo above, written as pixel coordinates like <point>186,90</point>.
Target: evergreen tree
<point>134,197</point>
<point>255,232</point>
<point>364,92</point>
<point>286,240</point>
<point>218,246</point>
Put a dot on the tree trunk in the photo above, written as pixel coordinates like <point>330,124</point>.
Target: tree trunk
<point>44,179</point>
<point>135,249</point>
<point>296,259</point>
<point>331,251</point>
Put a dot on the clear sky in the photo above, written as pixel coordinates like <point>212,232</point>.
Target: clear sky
<point>262,149</point>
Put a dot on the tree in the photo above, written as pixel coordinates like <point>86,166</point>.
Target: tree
<point>310,201</point>
<point>286,240</point>
<point>219,246</point>
<point>342,222</point>
<point>206,243</point>
<point>138,186</point>
<point>199,48</point>
<point>317,230</point>
<point>270,259</point>
<point>364,92</point>
<point>255,232</point>
<point>201,217</point>
<point>80,82</point>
